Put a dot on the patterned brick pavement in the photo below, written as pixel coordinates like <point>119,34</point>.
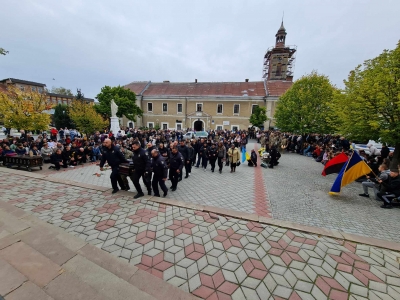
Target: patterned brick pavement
<point>209,255</point>
<point>294,191</point>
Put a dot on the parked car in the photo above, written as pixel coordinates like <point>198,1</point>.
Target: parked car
<point>366,149</point>
<point>198,134</point>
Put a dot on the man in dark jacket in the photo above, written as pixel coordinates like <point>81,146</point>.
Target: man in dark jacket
<point>203,153</point>
<point>197,148</point>
<point>176,162</point>
<point>273,154</point>
<point>212,156</point>
<point>160,171</point>
<point>114,157</point>
<point>191,158</point>
<point>392,188</point>
<point>57,159</point>
<point>184,151</point>
<point>253,159</point>
<point>141,161</point>
<point>385,151</point>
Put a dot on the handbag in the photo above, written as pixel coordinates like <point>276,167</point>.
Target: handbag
<point>238,163</point>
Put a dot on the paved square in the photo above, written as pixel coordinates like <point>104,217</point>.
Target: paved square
<point>294,191</point>
<point>209,255</point>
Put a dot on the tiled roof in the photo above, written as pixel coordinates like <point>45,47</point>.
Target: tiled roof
<point>277,87</point>
<point>14,80</point>
<point>251,89</point>
<point>137,86</point>
<point>207,89</point>
<point>68,97</point>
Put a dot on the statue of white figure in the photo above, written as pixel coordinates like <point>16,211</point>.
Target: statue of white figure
<point>114,108</point>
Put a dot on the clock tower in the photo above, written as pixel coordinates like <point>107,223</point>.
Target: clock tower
<point>279,60</point>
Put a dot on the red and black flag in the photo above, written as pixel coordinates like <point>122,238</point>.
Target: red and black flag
<point>335,164</point>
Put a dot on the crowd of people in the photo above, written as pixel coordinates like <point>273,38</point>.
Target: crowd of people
<point>161,154</point>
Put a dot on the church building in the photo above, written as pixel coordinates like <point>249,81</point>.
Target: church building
<point>216,105</point>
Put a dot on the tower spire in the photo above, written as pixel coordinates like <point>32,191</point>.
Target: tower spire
<point>281,36</point>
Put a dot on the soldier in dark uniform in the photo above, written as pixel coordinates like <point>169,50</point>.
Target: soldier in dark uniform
<point>212,156</point>
<point>184,151</point>
<point>141,162</point>
<point>114,157</point>
<point>175,167</point>
<point>160,171</point>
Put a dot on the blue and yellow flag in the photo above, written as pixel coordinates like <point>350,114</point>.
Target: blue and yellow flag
<point>353,169</point>
<point>244,155</point>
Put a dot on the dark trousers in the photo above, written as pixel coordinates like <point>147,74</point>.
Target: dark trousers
<point>204,163</point>
<point>158,181</point>
<point>386,197</point>
<point>188,168</point>
<point>57,165</point>
<point>174,176</point>
<point>115,179</point>
<point>212,163</point>
<point>220,163</point>
<point>199,160</point>
<point>135,179</point>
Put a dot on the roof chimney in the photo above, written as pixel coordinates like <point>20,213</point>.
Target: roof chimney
<point>195,80</point>
<point>246,80</point>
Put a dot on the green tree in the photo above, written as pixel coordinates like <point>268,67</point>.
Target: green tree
<point>369,106</point>
<point>61,91</point>
<point>61,116</point>
<point>85,117</point>
<point>259,116</point>
<point>306,106</point>
<point>124,98</point>
<point>3,51</point>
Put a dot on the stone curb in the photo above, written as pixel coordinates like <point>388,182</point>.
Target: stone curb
<point>336,234</point>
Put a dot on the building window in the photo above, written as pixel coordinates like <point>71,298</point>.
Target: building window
<point>199,106</point>
<point>178,126</point>
<point>33,88</point>
<point>40,90</point>
<point>21,87</point>
<point>253,107</point>
<point>150,125</point>
<point>149,107</point>
<point>235,127</point>
<point>236,109</point>
<point>59,101</point>
<point>165,107</point>
<point>219,127</point>
<point>219,108</point>
<point>164,126</point>
<point>179,108</point>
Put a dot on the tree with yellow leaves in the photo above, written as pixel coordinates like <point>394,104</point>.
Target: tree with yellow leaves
<point>24,109</point>
<point>85,117</point>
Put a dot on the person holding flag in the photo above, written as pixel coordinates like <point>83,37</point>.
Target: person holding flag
<point>392,188</point>
<point>354,168</point>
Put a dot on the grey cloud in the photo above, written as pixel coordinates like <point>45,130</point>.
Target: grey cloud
<point>89,44</point>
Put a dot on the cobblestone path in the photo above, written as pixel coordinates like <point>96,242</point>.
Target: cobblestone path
<point>294,191</point>
<point>209,255</point>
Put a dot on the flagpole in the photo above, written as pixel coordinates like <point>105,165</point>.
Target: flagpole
<point>348,161</point>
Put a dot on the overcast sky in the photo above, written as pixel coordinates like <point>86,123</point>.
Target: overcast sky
<point>92,43</point>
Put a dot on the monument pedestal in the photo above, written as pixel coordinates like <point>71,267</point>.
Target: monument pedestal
<point>114,125</point>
